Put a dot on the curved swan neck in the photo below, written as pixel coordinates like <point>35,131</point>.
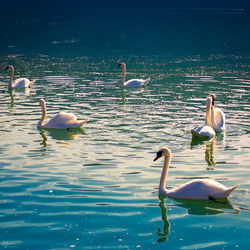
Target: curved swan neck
<point>164,173</point>
<point>11,76</point>
<point>212,114</point>
<point>40,123</point>
<point>208,114</point>
<point>123,72</point>
<point>214,123</point>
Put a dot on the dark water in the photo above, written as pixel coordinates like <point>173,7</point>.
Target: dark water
<point>96,187</point>
<point>115,28</point>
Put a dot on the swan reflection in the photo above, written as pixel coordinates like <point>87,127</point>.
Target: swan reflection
<point>133,91</point>
<point>14,93</point>
<point>216,143</point>
<point>209,154</point>
<point>124,100</point>
<point>166,225</point>
<point>60,135</point>
<point>194,208</point>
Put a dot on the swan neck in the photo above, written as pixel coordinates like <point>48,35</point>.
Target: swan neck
<point>208,114</point>
<point>164,173</point>
<point>123,72</point>
<point>11,77</point>
<point>40,123</point>
<point>212,117</point>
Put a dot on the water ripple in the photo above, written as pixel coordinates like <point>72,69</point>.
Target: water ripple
<point>98,186</point>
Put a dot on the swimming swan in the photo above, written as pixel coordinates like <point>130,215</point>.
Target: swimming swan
<point>60,121</point>
<point>199,189</point>
<point>19,82</point>
<point>133,82</point>
<point>205,131</point>
<point>217,117</point>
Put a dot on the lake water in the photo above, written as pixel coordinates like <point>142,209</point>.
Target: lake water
<point>97,187</point>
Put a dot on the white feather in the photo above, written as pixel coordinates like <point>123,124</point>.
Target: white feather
<point>198,189</point>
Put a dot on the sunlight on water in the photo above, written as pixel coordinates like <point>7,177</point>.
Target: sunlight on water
<point>97,186</point>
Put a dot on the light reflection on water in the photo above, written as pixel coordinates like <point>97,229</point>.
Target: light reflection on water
<point>97,186</point>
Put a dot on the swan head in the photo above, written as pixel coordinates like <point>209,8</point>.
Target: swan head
<point>10,67</point>
<point>121,65</point>
<point>163,152</point>
<point>42,103</point>
<point>213,98</point>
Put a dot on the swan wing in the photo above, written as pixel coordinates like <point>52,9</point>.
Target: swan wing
<point>64,120</point>
<point>75,123</point>
<point>61,120</point>
<point>203,131</point>
<point>66,116</point>
<point>200,189</point>
<point>135,83</point>
<point>220,120</point>
<point>21,83</point>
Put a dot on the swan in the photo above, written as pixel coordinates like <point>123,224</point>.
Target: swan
<point>133,82</point>
<point>19,82</point>
<point>217,117</point>
<point>60,121</point>
<point>199,189</point>
<point>205,131</point>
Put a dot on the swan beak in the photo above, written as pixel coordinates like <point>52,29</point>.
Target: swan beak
<point>6,68</point>
<point>119,65</point>
<point>159,155</point>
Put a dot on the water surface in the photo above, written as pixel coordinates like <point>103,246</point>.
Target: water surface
<point>97,186</point>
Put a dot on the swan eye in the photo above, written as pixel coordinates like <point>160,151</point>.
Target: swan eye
<point>158,155</point>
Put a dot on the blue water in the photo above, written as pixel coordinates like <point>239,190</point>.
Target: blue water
<point>97,187</point>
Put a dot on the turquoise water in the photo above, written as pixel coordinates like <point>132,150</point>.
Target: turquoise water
<point>96,187</point>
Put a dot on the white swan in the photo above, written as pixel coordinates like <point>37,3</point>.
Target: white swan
<point>218,118</point>
<point>133,82</point>
<point>205,131</point>
<point>199,189</point>
<point>19,82</point>
<point>60,121</point>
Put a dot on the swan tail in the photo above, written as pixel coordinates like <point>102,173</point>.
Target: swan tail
<point>194,133</point>
<point>224,194</point>
<point>146,81</point>
<point>83,122</point>
<point>197,133</point>
<point>78,124</point>
<point>32,82</point>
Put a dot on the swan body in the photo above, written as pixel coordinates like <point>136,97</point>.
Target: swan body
<point>205,131</point>
<point>199,189</point>
<point>218,118</point>
<point>19,82</point>
<point>133,83</point>
<point>60,121</point>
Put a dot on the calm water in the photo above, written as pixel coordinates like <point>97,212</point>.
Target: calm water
<point>96,187</point>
